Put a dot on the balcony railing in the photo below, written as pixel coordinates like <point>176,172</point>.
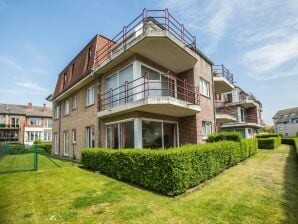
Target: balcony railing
<point>226,110</point>
<point>149,86</point>
<point>147,20</point>
<point>222,71</point>
<point>244,120</point>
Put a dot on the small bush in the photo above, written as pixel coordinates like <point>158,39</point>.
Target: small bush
<point>269,142</point>
<point>170,172</point>
<point>225,136</point>
<point>45,147</point>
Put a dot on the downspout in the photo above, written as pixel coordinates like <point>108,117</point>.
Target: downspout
<point>213,93</point>
<point>98,121</point>
<point>59,128</point>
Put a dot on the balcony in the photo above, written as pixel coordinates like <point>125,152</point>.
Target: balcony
<point>247,121</point>
<point>154,34</point>
<point>246,100</point>
<point>166,95</point>
<point>225,114</point>
<point>223,79</point>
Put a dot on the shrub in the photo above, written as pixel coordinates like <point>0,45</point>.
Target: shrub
<point>170,172</point>
<point>45,147</point>
<point>291,141</point>
<point>269,135</point>
<point>222,136</point>
<point>269,142</point>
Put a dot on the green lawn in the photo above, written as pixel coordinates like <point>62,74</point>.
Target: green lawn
<point>263,189</point>
<point>25,162</point>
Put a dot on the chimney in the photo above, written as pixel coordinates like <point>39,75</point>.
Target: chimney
<point>29,105</point>
<point>44,107</point>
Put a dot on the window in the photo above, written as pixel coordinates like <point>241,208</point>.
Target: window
<point>241,115</point>
<point>47,136</point>
<point>34,121</point>
<point>74,136</point>
<point>66,107</point>
<point>31,136</point>
<point>90,137</point>
<point>57,112</point>
<point>15,122</point>
<point>2,123</point>
<point>206,128</point>
<point>90,96</point>
<point>72,69</point>
<point>48,123</point>
<point>204,87</point>
<point>120,135</point>
<point>74,102</point>
<point>66,141</point>
<point>64,79</point>
<point>159,134</point>
<point>116,87</point>
<point>56,143</point>
<point>158,83</point>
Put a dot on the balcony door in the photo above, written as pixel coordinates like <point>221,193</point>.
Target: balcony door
<point>118,93</point>
<point>158,84</point>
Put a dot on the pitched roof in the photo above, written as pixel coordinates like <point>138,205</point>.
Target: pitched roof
<point>286,115</point>
<point>35,111</point>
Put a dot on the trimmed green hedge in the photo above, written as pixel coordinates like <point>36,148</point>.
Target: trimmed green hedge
<point>172,171</point>
<point>269,142</point>
<point>224,136</point>
<point>291,141</point>
<point>269,135</point>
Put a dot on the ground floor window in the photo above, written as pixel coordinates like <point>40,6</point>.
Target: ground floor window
<point>142,133</point>
<point>159,134</point>
<point>120,135</point>
<point>207,128</point>
<point>90,143</point>
<point>31,136</point>
<point>66,142</point>
<point>56,143</point>
<point>47,136</point>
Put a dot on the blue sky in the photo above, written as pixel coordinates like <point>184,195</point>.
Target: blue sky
<point>256,40</point>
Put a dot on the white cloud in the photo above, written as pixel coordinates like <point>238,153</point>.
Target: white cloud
<point>31,86</point>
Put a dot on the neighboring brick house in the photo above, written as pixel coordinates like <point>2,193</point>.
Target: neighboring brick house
<point>286,122</point>
<point>25,123</point>
<point>236,110</point>
<point>148,87</point>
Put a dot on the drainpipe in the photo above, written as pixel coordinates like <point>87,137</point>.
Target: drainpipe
<point>98,121</point>
<point>213,93</point>
<point>59,133</point>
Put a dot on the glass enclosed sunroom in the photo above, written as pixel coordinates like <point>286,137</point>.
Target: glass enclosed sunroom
<point>142,133</point>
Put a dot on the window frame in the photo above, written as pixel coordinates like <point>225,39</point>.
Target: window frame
<point>87,96</point>
<point>74,103</point>
<point>202,81</point>
<point>205,134</point>
<point>66,107</point>
<point>74,136</point>
<point>65,146</point>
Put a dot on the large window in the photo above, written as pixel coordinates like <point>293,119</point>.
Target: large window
<point>48,123</point>
<point>116,86</point>
<point>207,128</point>
<point>204,88</point>
<point>90,96</point>
<point>120,135</point>
<point>2,121</point>
<point>158,83</point>
<point>66,142</point>
<point>15,122</point>
<point>90,137</point>
<point>159,134</point>
<point>34,121</point>
<point>66,107</point>
<point>47,136</point>
<point>56,143</point>
<point>31,136</point>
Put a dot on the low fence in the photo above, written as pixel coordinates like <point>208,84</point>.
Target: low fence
<point>18,157</point>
